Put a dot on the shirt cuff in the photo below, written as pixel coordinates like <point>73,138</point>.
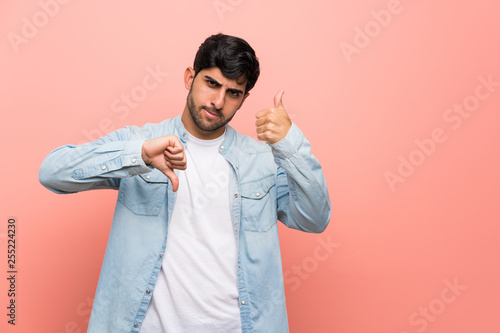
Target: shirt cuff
<point>132,157</point>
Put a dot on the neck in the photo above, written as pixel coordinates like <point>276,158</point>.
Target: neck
<point>197,132</point>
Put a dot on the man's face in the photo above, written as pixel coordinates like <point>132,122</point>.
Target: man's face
<point>212,101</point>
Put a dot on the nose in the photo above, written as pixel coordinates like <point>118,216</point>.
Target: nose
<point>218,99</point>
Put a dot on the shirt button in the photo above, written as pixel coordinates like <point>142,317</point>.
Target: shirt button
<point>236,166</point>
<point>183,135</point>
<point>242,302</point>
<point>148,292</point>
<point>221,147</point>
<point>148,177</point>
<point>257,194</point>
<point>136,325</point>
<point>134,160</point>
<point>236,195</point>
<point>235,231</point>
<point>103,167</point>
<point>161,256</point>
<point>239,265</point>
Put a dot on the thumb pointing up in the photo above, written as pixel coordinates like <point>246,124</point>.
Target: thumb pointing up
<point>273,123</point>
<point>278,100</point>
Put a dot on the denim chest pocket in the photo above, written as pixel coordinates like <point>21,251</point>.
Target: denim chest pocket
<point>144,194</point>
<point>258,204</point>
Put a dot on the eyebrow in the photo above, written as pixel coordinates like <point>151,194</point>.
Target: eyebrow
<point>233,90</point>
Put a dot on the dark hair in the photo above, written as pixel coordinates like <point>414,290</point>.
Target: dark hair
<point>232,55</point>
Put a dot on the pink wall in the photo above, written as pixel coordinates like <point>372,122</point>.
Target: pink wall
<point>391,94</point>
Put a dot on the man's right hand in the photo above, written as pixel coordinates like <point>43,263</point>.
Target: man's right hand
<point>165,153</point>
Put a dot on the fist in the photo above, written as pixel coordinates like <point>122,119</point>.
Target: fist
<point>165,153</point>
<point>273,123</point>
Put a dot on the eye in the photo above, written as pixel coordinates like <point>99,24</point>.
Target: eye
<point>234,93</point>
<point>212,83</point>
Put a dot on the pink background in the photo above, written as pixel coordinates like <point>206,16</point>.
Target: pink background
<point>394,247</point>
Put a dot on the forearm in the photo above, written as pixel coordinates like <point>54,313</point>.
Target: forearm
<point>303,200</point>
<point>94,165</point>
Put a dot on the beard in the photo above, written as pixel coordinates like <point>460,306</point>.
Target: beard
<point>206,125</point>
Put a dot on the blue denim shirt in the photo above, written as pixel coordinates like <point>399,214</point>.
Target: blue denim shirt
<point>267,182</point>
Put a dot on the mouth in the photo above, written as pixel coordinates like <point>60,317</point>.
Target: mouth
<point>210,114</point>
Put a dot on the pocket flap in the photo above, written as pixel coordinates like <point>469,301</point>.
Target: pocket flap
<point>257,189</point>
<point>155,176</point>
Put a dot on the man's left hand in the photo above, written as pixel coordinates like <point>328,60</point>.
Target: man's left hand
<point>273,123</point>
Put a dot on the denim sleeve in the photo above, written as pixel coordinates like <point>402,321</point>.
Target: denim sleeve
<point>95,165</point>
<point>303,200</point>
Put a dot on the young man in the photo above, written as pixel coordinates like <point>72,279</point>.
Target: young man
<point>194,242</point>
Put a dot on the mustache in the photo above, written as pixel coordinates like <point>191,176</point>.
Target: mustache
<point>212,110</point>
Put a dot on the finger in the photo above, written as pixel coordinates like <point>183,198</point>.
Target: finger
<point>174,157</point>
<point>262,113</point>
<point>175,149</point>
<point>167,164</point>
<point>278,99</point>
<point>174,141</point>
<point>264,136</point>
<point>173,178</point>
<point>178,160</point>
<point>181,165</point>
<point>261,121</point>
<point>265,127</point>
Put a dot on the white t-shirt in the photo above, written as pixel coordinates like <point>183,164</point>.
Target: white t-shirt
<point>196,290</point>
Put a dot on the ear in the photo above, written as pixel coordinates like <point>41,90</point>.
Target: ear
<point>244,97</point>
<point>188,77</point>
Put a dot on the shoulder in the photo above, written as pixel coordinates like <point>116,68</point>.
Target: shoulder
<point>247,144</point>
<point>256,160</point>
